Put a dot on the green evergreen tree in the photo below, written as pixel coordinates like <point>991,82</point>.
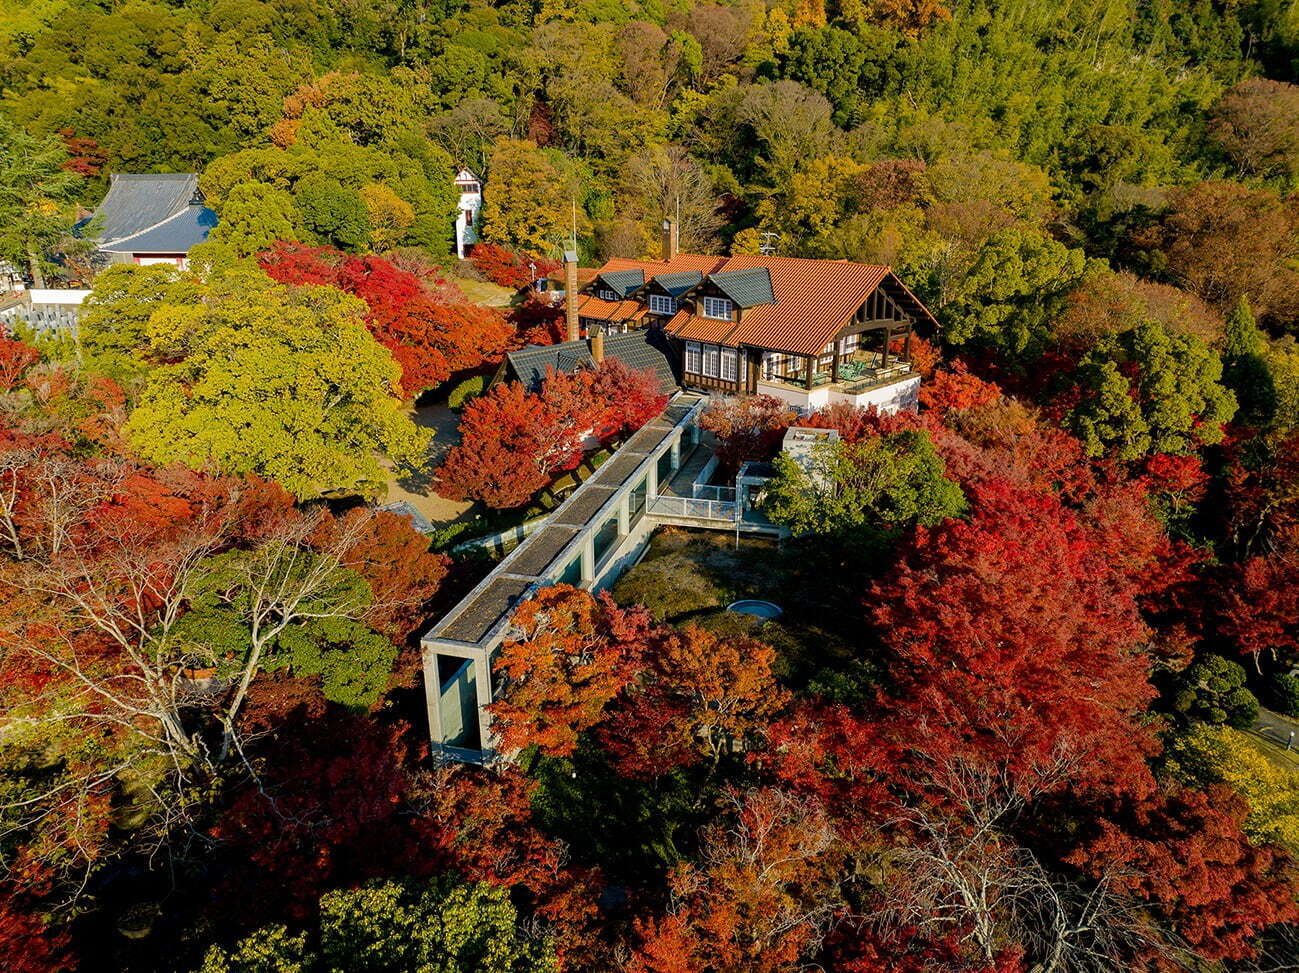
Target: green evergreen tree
<point>255,215</point>
<point>1108,420</point>
<point>876,485</point>
<point>1011,293</point>
<point>1212,690</point>
<point>1245,366</point>
<point>332,214</point>
<point>36,194</point>
<point>1173,403</point>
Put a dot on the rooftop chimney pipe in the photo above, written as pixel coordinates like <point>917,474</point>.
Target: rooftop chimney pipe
<point>597,345</point>
<point>670,239</point>
<point>570,295</point>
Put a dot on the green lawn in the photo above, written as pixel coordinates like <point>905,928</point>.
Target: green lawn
<point>485,292</point>
<point>1275,753</point>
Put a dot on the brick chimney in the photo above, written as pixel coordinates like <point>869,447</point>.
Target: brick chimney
<point>670,239</point>
<point>597,345</point>
<point>570,295</point>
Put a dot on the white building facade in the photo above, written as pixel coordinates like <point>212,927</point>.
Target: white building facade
<point>471,201</point>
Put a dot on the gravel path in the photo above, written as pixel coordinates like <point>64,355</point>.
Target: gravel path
<point>416,489</point>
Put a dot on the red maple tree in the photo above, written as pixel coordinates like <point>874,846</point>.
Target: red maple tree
<point>573,655</point>
<point>957,388</point>
<point>509,269</point>
<point>15,358</point>
<point>1183,851</point>
<point>429,336</point>
<point>513,442</point>
<point>395,559</point>
<point>748,428</point>
<point>699,696</point>
<point>1258,602</point>
<point>1016,620</point>
<point>759,897</point>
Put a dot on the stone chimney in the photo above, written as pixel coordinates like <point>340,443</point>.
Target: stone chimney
<point>597,345</point>
<point>670,239</point>
<point>570,295</point>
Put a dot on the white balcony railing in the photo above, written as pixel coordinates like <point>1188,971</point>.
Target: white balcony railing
<point>688,508</point>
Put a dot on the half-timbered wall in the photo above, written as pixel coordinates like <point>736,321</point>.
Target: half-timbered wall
<point>711,366</point>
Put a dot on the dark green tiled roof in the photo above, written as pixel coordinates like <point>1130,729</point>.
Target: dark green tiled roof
<point>640,350</point>
<point>747,288</point>
<point>678,284</point>
<point>623,282</point>
<point>529,364</point>
<point>644,350</point>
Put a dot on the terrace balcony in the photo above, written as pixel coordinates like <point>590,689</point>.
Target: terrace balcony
<point>861,379</point>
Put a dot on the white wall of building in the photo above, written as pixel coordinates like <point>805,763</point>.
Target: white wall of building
<point>797,397</point>
<point>54,295</point>
<point>471,201</point>
<point>894,397</point>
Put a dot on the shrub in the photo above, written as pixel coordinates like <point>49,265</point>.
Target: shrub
<point>670,587</point>
<point>1283,693</point>
<point>509,269</point>
<point>1213,691</point>
<point>470,388</point>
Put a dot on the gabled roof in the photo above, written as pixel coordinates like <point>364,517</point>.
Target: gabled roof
<point>639,350</point>
<point>644,350</point>
<point>599,309</point>
<point>747,288</point>
<point>622,282</point>
<point>696,265</point>
<point>176,234</point>
<point>140,201</point>
<point>813,299</point>
<point>530,364</point>
<point>677,284</point>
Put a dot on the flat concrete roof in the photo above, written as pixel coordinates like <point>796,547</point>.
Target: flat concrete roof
<point>487,606</point>
<point>477,616</point>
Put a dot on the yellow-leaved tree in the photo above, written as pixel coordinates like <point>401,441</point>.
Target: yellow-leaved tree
<point>1218,754</point>
<point>526,204</point>
<point>251,376</point>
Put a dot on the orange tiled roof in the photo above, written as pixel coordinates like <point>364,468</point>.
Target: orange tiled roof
<point>814,300</point>
<point>589,306</point>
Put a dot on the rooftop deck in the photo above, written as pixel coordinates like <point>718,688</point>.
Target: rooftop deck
<point>545,555</point>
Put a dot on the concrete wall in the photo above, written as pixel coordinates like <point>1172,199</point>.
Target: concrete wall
<point>798,398</point>
<point>887,398</point>
<point>902,394</point>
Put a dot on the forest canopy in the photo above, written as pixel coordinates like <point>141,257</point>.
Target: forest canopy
<point>1021,710</point>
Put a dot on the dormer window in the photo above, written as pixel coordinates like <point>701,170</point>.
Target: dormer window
<point>607,295</point>
<point>718,308</point>
<point>662,304</point>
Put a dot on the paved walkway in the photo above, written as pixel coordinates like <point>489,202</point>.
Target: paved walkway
<point>683,480</point>
<point>416,489</point>
<point>1276,727</point>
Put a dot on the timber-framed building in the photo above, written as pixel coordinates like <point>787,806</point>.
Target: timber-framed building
<point>810,332</point>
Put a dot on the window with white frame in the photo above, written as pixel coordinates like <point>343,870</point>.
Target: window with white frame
<point>850,343</point>
<point>730,364</point>
<point>711,357</point>
<point>694,355</point>
<point>607,295</point>
<point>717,307</point>
<point>662,304</point>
